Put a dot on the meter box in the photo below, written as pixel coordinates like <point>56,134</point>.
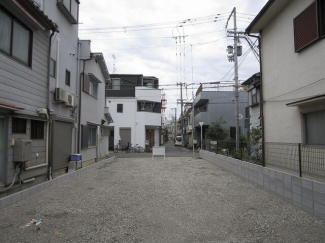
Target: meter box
<point>23,150</point>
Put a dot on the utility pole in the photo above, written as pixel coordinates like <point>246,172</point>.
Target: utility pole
<point>175,125</point>
<point>236,74</point>
<point>182,122</point>
<point>236,80</point>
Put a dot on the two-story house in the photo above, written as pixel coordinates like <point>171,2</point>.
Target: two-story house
<point>209,106</point>
<point>64,82</point>
<point>252,112</point>
<point>134,102</point>
<point>26,34</point>
<point>94,116</point>
<point>293,76</point>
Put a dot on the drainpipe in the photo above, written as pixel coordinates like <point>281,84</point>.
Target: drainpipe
<point>80,100</point>
<point>77,135</point>
<point>48,106</point>
<point>261,95</point>
<point>57,63</point>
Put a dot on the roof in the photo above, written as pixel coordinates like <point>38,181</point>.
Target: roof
<point>35,10</point>
<point>254,78</point>
<point>103,66</point>
<point>271,9</point>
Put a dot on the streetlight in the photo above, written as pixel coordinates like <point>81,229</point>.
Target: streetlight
<point>201,124</point>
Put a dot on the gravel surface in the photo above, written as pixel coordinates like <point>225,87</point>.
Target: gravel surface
<point>144,200</point>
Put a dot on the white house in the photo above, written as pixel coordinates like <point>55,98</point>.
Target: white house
<point>94,116</point>
<point>134,102</point>
<point>293,74</point>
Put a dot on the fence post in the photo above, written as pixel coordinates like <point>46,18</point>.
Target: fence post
<point>299,152</point>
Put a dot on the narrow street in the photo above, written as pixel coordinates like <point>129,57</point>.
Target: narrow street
<point>171,151</point>
<point>143,200</point>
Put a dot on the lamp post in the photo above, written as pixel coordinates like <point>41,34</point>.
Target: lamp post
<point>201,124</point>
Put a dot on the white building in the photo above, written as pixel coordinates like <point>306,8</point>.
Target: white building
<point>94,117</point>
<point>134,102</point>
<point>293,74</point>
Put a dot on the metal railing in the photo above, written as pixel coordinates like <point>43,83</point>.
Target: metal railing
<point>297,158</point>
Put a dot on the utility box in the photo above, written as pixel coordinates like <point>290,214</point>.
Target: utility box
<point>23,150</point>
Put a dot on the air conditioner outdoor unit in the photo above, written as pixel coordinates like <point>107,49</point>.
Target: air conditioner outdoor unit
<point>61,95</point>
<point>70,100</point>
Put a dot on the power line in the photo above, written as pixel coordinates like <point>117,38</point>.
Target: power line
<point>162,23</point>
<point>148,47</point>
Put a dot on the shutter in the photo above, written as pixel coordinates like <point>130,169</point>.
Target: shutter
<point>62,140</point>
<point>306,27</point>
<point>84,136</point>
<point>86,86</point>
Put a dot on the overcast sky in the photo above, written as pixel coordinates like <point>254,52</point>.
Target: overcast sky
<point>151,49</point>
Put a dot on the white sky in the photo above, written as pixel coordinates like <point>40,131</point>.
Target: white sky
<point>145,52</point>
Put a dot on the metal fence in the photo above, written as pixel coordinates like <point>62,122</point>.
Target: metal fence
<point>300,159</point>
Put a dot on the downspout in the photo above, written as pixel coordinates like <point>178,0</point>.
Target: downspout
<point>57,63</point>
<point>261,95</point>
<point>48,135</point>
<point>77,137</point>
<point>80,100</point>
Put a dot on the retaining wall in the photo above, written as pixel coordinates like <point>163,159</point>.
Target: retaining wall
<point>6,201</point>
<point>304,193</point>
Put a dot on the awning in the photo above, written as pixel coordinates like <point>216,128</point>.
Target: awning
<point>10,107</point>
<point>94,78</point>
<point>308,101</point>
<point>201,102</point>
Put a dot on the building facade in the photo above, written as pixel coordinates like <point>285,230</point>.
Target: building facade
<point>210,106</point>
<point>94,116</point>
<point>293,75</point>
<point>64,82</point>
<point>25,37</point>
<point>252,112</point>
<point>134,102</point>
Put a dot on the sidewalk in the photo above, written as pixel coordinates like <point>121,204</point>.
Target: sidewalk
<point>145,200</point>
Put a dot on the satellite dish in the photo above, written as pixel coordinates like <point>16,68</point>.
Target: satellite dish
<point>241,116</point>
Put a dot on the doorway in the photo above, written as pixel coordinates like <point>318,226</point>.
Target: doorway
<point>2,147</point>
<point>150,138</point>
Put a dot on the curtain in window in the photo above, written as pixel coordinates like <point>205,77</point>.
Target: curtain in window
<point>95,90</point>
<point>5,31</point>
<point>21,38</point>
<point>116,84</point>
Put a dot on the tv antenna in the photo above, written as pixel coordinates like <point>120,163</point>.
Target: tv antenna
<point>114,69</point>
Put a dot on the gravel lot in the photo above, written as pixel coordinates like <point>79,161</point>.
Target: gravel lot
<point>144,200</point>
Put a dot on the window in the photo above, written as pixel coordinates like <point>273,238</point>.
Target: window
<point>233,132</point>
<point>309,26</point>
<point>19,125</point>
<point>254,96</point>
<point>15,39</point>
<point>92,140</point>
<point>120,108</point>
<point>36,129</point>
<point>116,84</point>
<point>93,89</point>
<point>52,68</point>
<point>315,128</point>
<point>67,77</point>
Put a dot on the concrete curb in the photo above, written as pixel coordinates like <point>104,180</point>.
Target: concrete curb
<point>11,199</point>
<point>306,194</point>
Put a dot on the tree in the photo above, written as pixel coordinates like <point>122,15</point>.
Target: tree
<point>216,131</point>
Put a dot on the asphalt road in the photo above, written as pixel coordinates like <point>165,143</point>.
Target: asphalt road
<point>145,200</point>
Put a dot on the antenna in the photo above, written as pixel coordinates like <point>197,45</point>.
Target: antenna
<point>114,69</point>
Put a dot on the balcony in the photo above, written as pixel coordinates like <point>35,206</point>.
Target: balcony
<point>70,9</point>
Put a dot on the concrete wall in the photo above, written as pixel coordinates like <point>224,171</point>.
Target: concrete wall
<point>304,193</point>
<point>285,71</point>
